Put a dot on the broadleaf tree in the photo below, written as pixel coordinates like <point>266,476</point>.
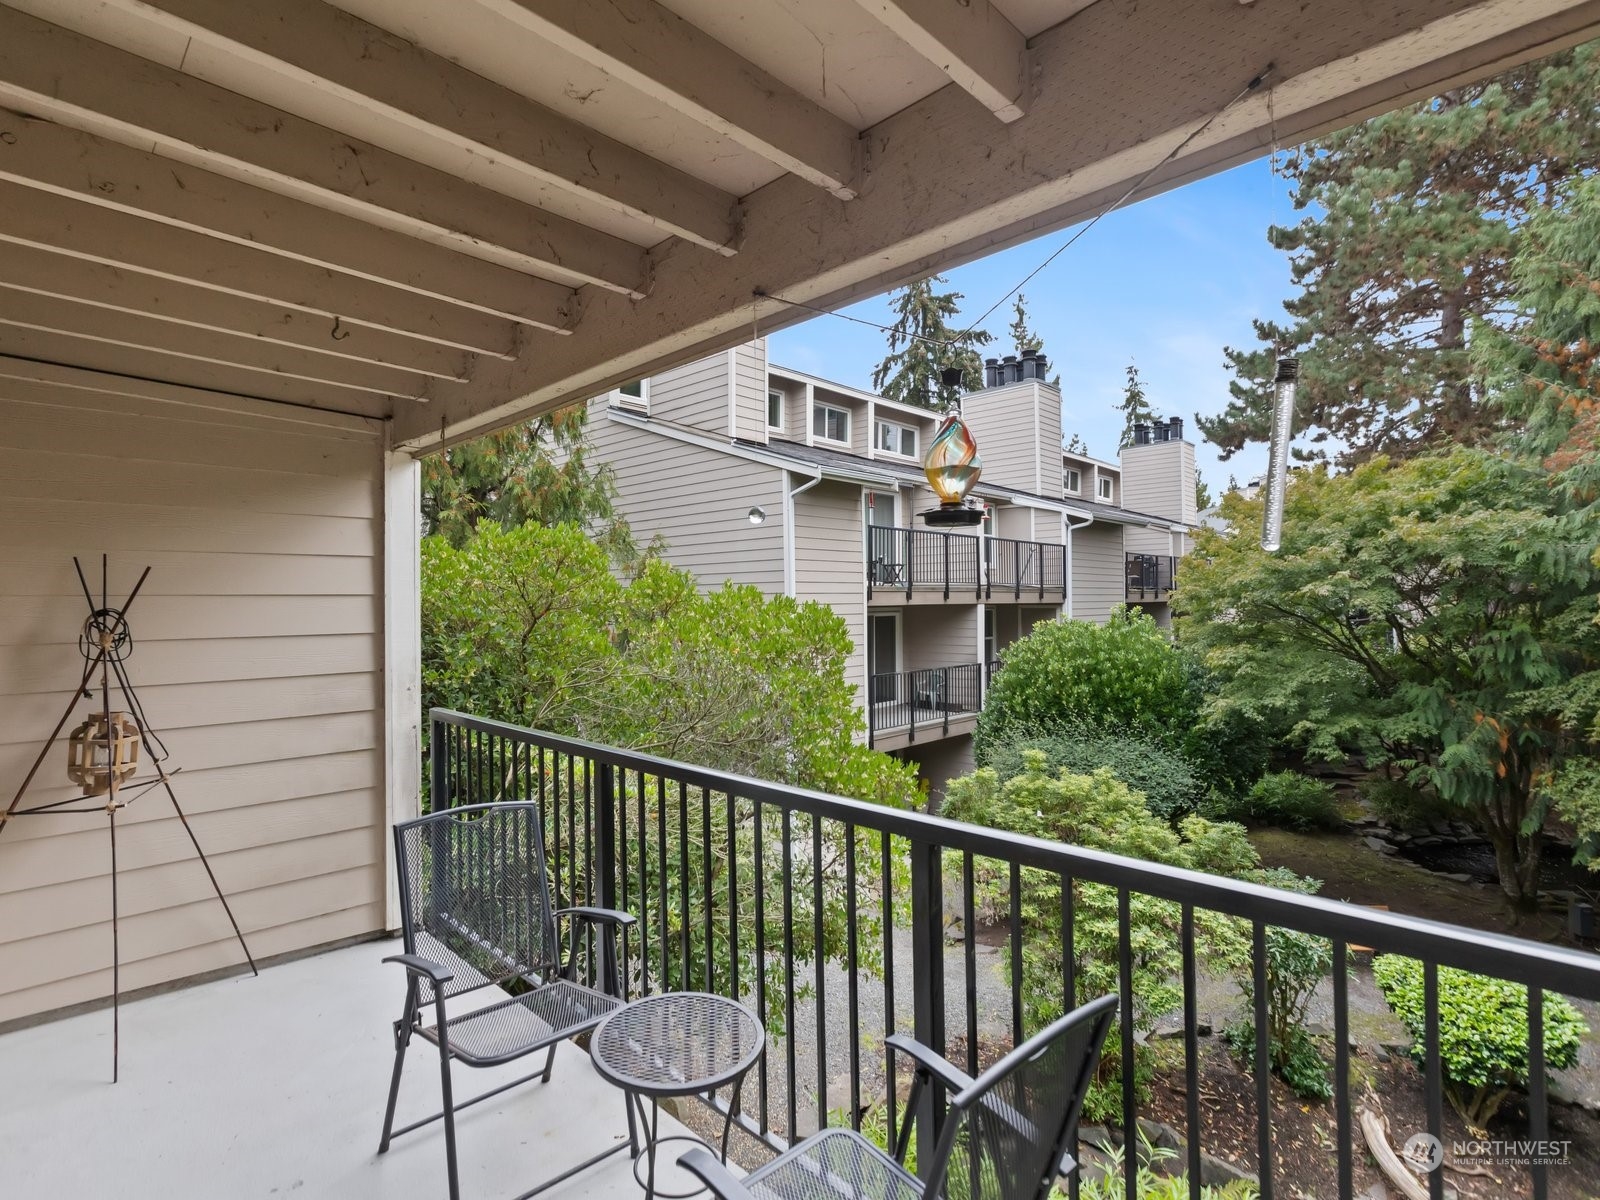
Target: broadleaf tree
<point>1410,228</point>
<point>1431,615</point>
<point>923,344</point>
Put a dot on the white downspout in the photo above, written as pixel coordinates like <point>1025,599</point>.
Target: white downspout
<point>1066,520</point>
<point>788,527</point>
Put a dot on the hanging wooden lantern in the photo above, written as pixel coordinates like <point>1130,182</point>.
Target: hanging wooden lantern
<point>102,751</point>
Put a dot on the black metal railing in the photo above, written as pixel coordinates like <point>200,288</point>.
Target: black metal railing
<point>911,562</point>
<point>1025,570</point>
<point>829,917</point>
<point>906,702</point>
<point>1151,576</point>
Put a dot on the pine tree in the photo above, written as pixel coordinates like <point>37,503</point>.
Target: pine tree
<point>1202,493</point>
<point>923,345</point>
<point>1078,446</point>
<point>1023,338</point>
<point>1135,408</point>
<point>535,473</point>
<point>1413,219</point>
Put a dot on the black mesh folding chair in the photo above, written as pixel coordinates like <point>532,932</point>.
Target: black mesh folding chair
<point>1008,1134</point>
<point>476,912</point>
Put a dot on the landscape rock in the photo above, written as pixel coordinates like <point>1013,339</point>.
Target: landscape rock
<point>1378,844</point>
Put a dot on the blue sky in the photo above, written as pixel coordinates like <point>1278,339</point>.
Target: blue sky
<point>1166,283</point>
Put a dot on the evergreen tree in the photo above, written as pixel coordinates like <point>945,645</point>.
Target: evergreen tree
<point>535,473</point>
<point>1412,221</point>
<point>1076,445</point>
<point>1202,493</point>
<point>1023,338</point>
<point>1135,408</point>
<point>1233,482</point>
<point>923,345</point>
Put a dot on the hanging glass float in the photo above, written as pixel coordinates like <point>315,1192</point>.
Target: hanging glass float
<point>103,751</point>
<point>952,466</point>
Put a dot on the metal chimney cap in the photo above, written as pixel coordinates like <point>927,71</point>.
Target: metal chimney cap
<point>1288,370</point>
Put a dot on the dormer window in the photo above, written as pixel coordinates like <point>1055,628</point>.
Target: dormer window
<point>634,394</point>
<point>896,439</point>
<point>774,410</point>
<point>830,424</point>
<point>1071,481</point>
<point>1105,489</point>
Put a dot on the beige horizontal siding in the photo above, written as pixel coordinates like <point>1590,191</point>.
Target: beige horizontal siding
<point>939,635</point>
<point>1099,580</point>
<point>258,658</point>
<point>1003,421</point>
<point>698,500</point>
<point>750,390</point>
<point>695,395</point>
<point>830,557</point>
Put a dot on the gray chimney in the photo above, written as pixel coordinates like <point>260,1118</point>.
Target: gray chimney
<point>1040,364</point>
<point>1175,429</point>
<point>991,372</point>
<point>1141,434</point>
<point>1010,369</point>
<point>1030,365</point>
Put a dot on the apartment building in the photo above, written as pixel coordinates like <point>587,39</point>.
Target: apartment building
<point>765,475</point>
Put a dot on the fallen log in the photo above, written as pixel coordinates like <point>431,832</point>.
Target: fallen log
<point>1376,1130</point>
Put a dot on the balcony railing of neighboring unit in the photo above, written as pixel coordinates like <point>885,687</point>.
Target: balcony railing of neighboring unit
<point>734,879</point>
<point>926,699</point>
<point>916,561</point>
<point>1151,576</point>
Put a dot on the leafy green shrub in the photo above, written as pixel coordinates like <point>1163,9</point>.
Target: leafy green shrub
<point>1098,812</point>
<point>1150,1182</point>
<point>1483,1032</point>
<point>1229,745</point>
<point>1404,806</point>
<point>1144,764</point>
<point>1286,799</point>
<point>1125,674</point>
<point>1296,963</point>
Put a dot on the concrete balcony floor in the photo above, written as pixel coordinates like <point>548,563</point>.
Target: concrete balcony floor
<point>274,1087</point>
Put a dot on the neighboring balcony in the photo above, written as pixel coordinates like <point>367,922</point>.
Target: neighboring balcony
<point>923,705</point>
<point>1151,577</point>
<point>911,565</point>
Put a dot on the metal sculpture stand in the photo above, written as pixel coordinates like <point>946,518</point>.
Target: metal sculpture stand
<point>105,643</point>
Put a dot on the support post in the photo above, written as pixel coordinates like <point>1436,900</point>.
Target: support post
<point>605,850</point>
<point>927,982</point>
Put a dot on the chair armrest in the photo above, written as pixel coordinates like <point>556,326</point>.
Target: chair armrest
<point>951,1077</point>
<point>722,1182</point>
<point>418,965</point>
<point>598,916</point>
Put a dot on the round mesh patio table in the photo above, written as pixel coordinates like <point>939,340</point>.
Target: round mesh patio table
<point>676,1044</point>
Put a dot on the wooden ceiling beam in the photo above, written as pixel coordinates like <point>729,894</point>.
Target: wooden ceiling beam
<point>333,51</point>
<point>46,70</point>
<point>44,346</point>
<point>35,218</point>
<point>970,41</point>
<point>29,269</point>
<point>653,50</point>
<point>72,163</point>
<point>948,184</point>
<point>70,318</point>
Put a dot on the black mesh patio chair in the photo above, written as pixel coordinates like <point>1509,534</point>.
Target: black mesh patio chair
<point>1007,1135</point>
<point>476,912</point>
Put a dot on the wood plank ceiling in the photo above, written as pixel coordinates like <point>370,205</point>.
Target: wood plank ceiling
<point>457,212</point>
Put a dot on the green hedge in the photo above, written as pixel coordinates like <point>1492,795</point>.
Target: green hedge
<point>1483,1032</point>
<point>1168,783</point>
<point>1286,799</point>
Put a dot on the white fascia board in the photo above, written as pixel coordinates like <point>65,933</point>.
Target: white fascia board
<point>678,434</point>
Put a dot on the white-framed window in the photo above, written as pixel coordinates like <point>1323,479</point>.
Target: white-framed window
<point>1105,489</point>
<point>896,439</point>
<point>774,410</point>
<point>633,394</point>
<point>830,424</point>
<point>1071,481</point>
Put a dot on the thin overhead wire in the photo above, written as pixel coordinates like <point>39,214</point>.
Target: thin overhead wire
<point>960,339</point>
